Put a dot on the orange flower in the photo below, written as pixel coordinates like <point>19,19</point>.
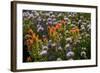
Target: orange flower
<point>58,26</point>
<point>75,32</point>
<point>35,37</point>
<point>75,29</point>
<point>52,29</point>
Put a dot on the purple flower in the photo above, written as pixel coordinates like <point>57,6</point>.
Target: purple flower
<point>40,28</point>
<point>70,54</point>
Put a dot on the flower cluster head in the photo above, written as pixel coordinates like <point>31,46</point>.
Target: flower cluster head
<point>70,54</point>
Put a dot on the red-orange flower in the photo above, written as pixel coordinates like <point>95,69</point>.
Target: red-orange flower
<point>58,26</point>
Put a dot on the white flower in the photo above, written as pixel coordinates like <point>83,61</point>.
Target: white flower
<point>67,31</point>
<point>60,14</point>
<point>44,48</point>
<point>69,21</point>
<point>82,27</point>
<point>84,23</point>
<point>25,14</point>
<point>66,18</point>
<point>59,59</point>
<point>47,14</point>
<point>80,21</point>
<point>81,17</point>
<point>69,15</point>
<point>50,41</point>
<point>69,39</point>
<point>87,35</point>
<point>43,52</point>
<point>88,21</point>
<point>39,19</point>
<point>72,25</point>
<point>80,37</point>
<point>67,45</point>
<point>83,54</point>
<point>31,15</point>
<point>51,12</point>
<point>52,16</point>
<point>55,22</point>
<point>60,48</point>
<point>36,13</point>
<point>83,48</point>
<point>38,25</point>
<point>70,59</point>
<point>78,41</point>
<point>54,44</point>
<point>88,26</point>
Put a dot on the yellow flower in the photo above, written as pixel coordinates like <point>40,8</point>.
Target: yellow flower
<point>30,31</point>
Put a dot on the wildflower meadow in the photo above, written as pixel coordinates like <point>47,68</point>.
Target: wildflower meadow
<point>56,36</point>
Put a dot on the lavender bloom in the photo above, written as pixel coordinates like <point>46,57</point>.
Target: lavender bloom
<point>40,28</point>
<point>49,21</point>
<point>70,54</point>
